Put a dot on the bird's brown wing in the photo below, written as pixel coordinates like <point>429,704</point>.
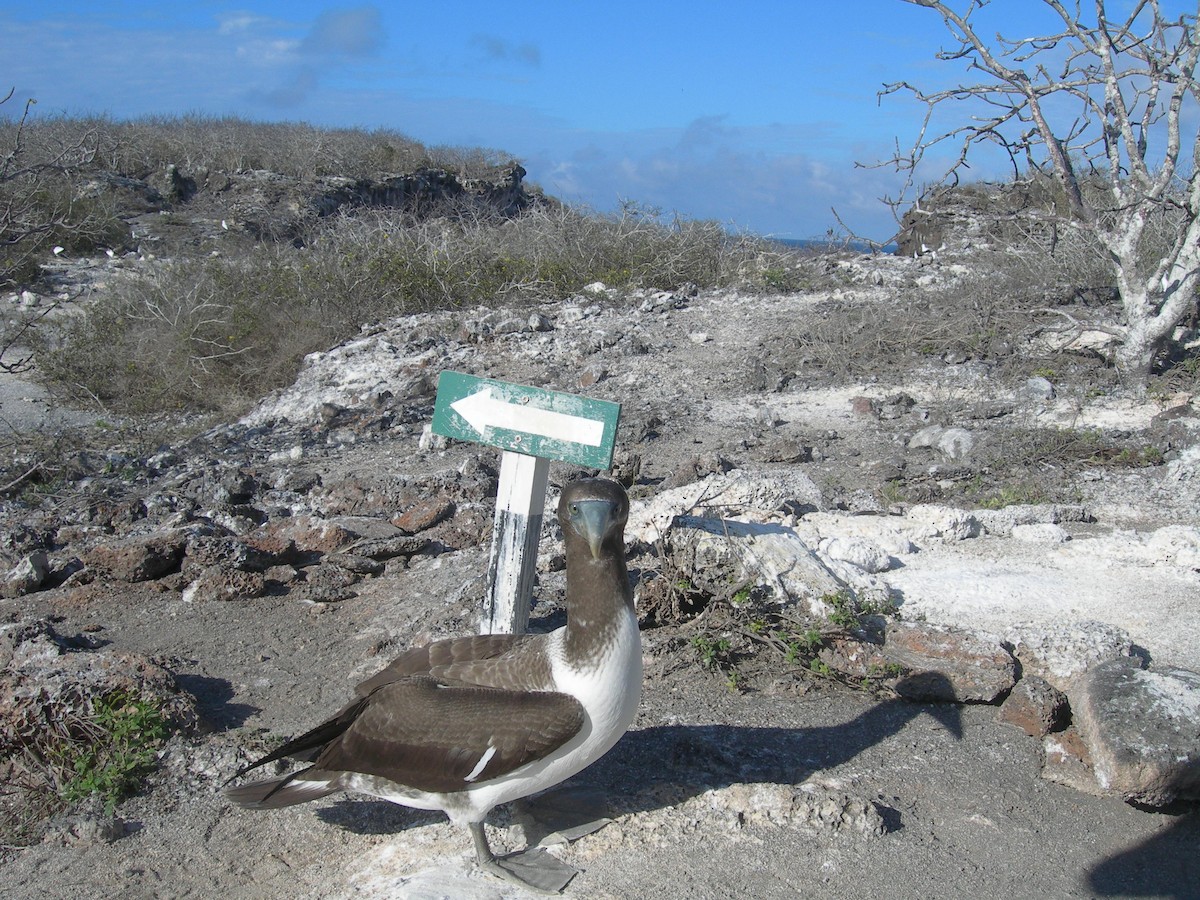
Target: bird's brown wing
<point>424,734</point>
<point>431,657</point>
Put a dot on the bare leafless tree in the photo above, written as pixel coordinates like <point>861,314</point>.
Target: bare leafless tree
<point>38,200</point>
<point>1101,103</point>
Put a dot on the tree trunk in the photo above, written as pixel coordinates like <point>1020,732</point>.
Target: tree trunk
<point>1134,359</point>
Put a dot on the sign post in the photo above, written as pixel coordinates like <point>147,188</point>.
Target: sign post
<point>532,426</point>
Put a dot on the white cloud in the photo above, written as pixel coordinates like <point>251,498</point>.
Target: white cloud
<point>240,23</point>
<point>268,52</point>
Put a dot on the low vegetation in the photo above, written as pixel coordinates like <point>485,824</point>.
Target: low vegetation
<point>746,634</point>
<point>217,332</point>
<point>55,754</point>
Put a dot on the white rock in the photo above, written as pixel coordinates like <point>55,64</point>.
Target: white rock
<point>1061,653</point>
<point>952,443</point>
<point>1038,388</point>
<point>727,494</point>
<point>718,552</point>
<point>926,437</point>
<point>1040,533</point>
<point>1177,544</point>
<point>956,443</point>
<point>867,555</point>
<point>941,523</point>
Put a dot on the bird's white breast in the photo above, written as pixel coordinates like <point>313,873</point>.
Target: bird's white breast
<point>609,692</point>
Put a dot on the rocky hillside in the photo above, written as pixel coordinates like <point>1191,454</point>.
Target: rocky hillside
<point>917,585</point>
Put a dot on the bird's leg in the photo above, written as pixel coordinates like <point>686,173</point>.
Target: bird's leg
<point>535,868</point>
<point>482,851</point>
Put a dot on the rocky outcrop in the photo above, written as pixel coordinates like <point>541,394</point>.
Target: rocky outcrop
<point>269,206</point>
<point>1142,728</point>
<point>1109,726</point>
<point>979,215</point>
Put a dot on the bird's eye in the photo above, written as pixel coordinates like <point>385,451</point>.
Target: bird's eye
<point>574,507</point>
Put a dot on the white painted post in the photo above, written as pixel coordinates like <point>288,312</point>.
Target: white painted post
<point>520,504</point>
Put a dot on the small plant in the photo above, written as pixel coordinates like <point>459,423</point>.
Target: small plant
<point>820,667</point>
<point>803,646</point>
<point>885,670</point>
<point>717,655</point>
<point>712,653</point>
<point>119,744</point>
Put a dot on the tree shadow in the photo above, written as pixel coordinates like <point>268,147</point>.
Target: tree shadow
<point>1166,864</point>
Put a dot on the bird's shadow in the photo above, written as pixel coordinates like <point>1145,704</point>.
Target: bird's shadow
<point>665,765</point>
<point>366,815</point>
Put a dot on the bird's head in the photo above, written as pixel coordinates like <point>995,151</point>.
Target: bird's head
<point>595,509</point>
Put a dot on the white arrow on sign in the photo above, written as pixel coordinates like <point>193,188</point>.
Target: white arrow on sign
<point>483,411</point>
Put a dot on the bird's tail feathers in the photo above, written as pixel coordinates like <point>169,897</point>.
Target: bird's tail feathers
<point>276,793</point>
<point>308,746</point>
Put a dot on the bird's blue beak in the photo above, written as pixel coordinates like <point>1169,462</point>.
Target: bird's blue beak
<point>593,519</point>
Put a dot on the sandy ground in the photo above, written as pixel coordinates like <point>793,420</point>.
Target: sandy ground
<point>789,788</point>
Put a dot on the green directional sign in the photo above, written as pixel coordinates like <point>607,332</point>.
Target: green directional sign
<point>527,420</point>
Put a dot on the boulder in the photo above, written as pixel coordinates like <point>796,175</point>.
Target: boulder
<point>726,494</point>
<point>223,584</point>
<point>1067,761</point>
<point>140,558</point>
<point>721,555</point>
<point>424,514</point>
<point>205,551</point>
<point>1035,706</point>
<point>952,443</point>
<point>860,552</point>
<point>1142,728</point>
<point>1061,653</point>
<point>947,663</point>
<point>388,548</point>
<point>26,576</point>
<point>929,523</point>
<point>304,534</point>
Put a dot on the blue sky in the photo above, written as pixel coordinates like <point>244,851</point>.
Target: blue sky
<point>751,114</point>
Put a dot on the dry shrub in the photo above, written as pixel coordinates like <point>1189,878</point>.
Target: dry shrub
<point>216,333</point>
<point>974,320</point>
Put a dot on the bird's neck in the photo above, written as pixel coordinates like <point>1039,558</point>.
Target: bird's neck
<point>600,598</point>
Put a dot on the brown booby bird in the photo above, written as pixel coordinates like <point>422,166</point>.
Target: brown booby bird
<point>466,724</point>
